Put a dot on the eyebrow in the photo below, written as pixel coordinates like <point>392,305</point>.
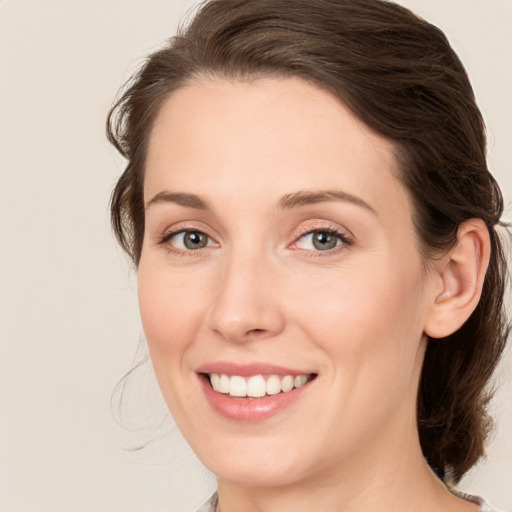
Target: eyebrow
<point>287,202</point>
<point>305,198</point>
<point>180,198</point>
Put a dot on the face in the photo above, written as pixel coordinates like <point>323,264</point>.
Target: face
<point>282,292</point>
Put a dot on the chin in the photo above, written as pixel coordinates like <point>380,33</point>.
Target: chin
<point>255,473</point>
<point>254,463</point>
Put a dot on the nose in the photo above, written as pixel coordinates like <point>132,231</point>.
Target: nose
<point>246,304</point>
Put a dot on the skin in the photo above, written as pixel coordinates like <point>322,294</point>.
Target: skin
<point>261,292</point>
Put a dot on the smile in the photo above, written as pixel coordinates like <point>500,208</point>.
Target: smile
<point>253,392</point>
<point>256,386</point>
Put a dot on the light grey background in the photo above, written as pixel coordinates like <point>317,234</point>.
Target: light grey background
<point>69,320</point>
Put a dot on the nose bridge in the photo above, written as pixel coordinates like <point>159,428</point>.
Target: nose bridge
<point>245,305</point>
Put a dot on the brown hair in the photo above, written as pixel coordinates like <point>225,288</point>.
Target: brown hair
<point>399,75</point>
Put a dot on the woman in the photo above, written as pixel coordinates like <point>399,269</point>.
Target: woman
<point>321,280</point>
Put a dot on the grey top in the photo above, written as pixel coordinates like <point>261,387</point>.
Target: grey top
<point>211,504</point>
<point>484,507</point>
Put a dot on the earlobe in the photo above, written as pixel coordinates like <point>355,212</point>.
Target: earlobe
<point>460,274</point>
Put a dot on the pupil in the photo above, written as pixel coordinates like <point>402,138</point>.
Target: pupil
<point>194,240</point>
<point>324,241</point>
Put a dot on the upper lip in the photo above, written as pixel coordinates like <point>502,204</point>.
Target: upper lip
<point>247,370</point>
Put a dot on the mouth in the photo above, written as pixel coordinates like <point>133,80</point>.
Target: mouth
<point>254,392</point>
<point>256,386</point>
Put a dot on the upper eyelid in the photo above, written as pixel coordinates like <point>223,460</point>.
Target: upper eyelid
<point>168,233</point>
<point>312,226</point>
<point>345,239</point>
<point>346,236</point>
<point>178,227</point>
<point>171,233</point>
<point>323,225</point>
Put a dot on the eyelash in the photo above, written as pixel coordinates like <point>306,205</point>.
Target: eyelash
<point>345,241</point>
<point>165,238</point>
<point>329,230</point>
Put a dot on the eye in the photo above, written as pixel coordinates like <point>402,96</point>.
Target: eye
<point>321,240</point>
<point>188,240</point>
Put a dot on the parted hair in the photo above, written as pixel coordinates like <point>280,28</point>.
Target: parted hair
<point>400,76</point>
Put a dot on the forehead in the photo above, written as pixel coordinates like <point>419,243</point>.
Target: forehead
<point>270,136</point>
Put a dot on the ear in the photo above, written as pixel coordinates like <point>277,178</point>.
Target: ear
<point>458,280</point>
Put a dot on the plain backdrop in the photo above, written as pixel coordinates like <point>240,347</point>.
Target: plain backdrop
<point>68,310</point>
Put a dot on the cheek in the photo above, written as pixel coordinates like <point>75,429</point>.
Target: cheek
<point>167,311</point>
<point>170,322</point>
<point>370,318</point>
<point>371,329</point>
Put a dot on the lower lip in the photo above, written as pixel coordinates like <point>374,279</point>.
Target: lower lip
<point>250,410</point>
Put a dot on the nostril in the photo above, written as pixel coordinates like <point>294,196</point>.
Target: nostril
<point>255,332</point>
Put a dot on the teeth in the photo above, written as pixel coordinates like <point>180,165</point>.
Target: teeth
<point>273,385</point>
<point>224,384</point>
<point>287,383</point>
<point>237,386</point>
<point>255,386</point>
<point>300,380</point>
<point>215,381</point>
